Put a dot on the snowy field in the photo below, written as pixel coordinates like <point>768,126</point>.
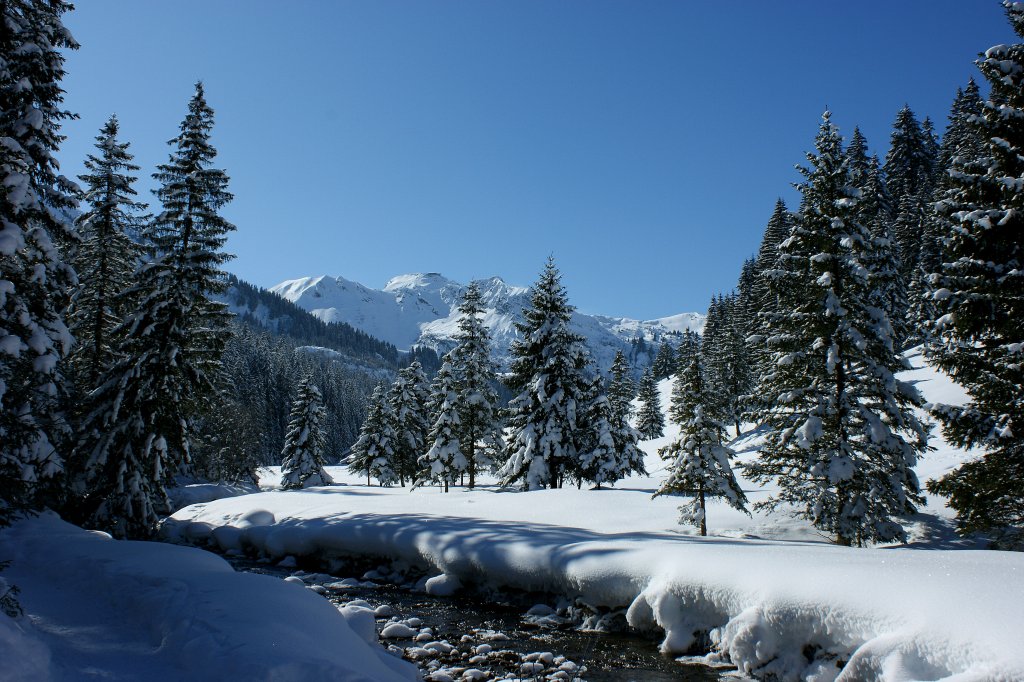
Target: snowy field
<point>771,592</point>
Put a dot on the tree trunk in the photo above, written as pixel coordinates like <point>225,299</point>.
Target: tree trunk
<point>703,514</point>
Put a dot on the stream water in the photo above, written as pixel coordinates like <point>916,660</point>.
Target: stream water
<point>494,637</point>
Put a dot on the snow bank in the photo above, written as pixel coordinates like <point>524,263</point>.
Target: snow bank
<point>100,608</point>
<point>193,493</point>
<point>791,609</point>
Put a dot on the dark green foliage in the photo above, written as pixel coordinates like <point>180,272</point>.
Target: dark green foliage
<point>408,399</point>
<point>373,454</point>
<point>621,387</point>
<point>35,245</point>
<point>698,461</point>
<point>302,458</point>
<point>843,438</point>
<point>139,423</point>
<point>978,327</point>
<point>664,362</point>
<point>474,376</point>
<point>284,318</point>
<point>107,257</point>
<point>650,422</point>
<point>911,170</point>
<point>549,374</point>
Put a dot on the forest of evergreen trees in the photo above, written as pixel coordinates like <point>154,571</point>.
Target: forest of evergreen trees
<point>121,366</point>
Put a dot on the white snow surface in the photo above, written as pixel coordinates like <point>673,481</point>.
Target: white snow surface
<point>767,588</point>
<point>98,608</point>
<point>421,309</point>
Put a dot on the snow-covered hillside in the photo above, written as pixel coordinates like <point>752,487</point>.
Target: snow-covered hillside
<point>421,309</point>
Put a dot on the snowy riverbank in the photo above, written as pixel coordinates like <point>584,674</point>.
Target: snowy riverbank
<point>103,609</point>
<point>889,613</point>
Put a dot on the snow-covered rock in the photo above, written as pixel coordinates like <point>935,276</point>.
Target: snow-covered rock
<point>421,309</point>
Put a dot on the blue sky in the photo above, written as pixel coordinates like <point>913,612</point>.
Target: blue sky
<point>643,143</point>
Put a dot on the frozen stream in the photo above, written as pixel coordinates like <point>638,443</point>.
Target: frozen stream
<point>447,636</point>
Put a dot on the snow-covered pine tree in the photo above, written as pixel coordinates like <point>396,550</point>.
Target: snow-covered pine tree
<point>698,461</point>
<point>35,279</point>
<point>475,398</point>
<point>444,461</point>
<point>650,422</point>
<point>909,172</point>
<point>725,356</point>
<point>373,453</point>
<point>746,305</point>
<point>962,135</point>
<point>625,439</point>
<point>960,145</point>
<point>687,350</point>
<point>764,304</point>
<point>611,452</point>
<point>874,211</point>
<point>138,423</point>
<point>979,299</point>
<point>107,257</point>
<point>843,438</point>
<point>621,387</point>
<point>664,362</point>
<point>408,400</point>
<point>302,459</point>
<point>548,372</point>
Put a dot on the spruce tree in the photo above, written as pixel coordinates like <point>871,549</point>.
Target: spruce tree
<point>373,453</point>
<point>650,422</point>
<point>910,170</point>
<point>138,426</point>
<point>444,461</point>
<point>664,362</point>
<point>621,387</point>
<point>962,140</point>
<point>107,257</point>
<point>302,459</point>
<point>611,450</point>
<point>548,366</point>
<point>978,328</point>
<point>874,211</point>
<point>699,462</point>
<point>843,438</point>
<point>35,277</point>
<point>408,402</point>
<point>476,401</point>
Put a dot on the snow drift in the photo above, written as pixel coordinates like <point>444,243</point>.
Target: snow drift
<point>100,608</point>
<point>790,609</point>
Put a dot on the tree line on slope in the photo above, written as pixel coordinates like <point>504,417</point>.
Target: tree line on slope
<point>923,249</point>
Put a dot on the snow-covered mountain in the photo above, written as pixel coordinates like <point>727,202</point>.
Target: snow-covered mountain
<point>421,309</point>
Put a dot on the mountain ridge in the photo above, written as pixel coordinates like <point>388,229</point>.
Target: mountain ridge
<point>420,309</point>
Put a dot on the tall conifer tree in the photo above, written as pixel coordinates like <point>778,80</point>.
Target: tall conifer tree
<point>843,437</point>
<point>138,428</point>
<point>373,453</point>
<point>302,460</point>
<point>107,257</point>
<point>475,401</point>
<point>650,422</point>
<point>408,402</point>
<point>979,305</point>
<point>548,367</point>
<point>698,461</point>
<point>35,277</point>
